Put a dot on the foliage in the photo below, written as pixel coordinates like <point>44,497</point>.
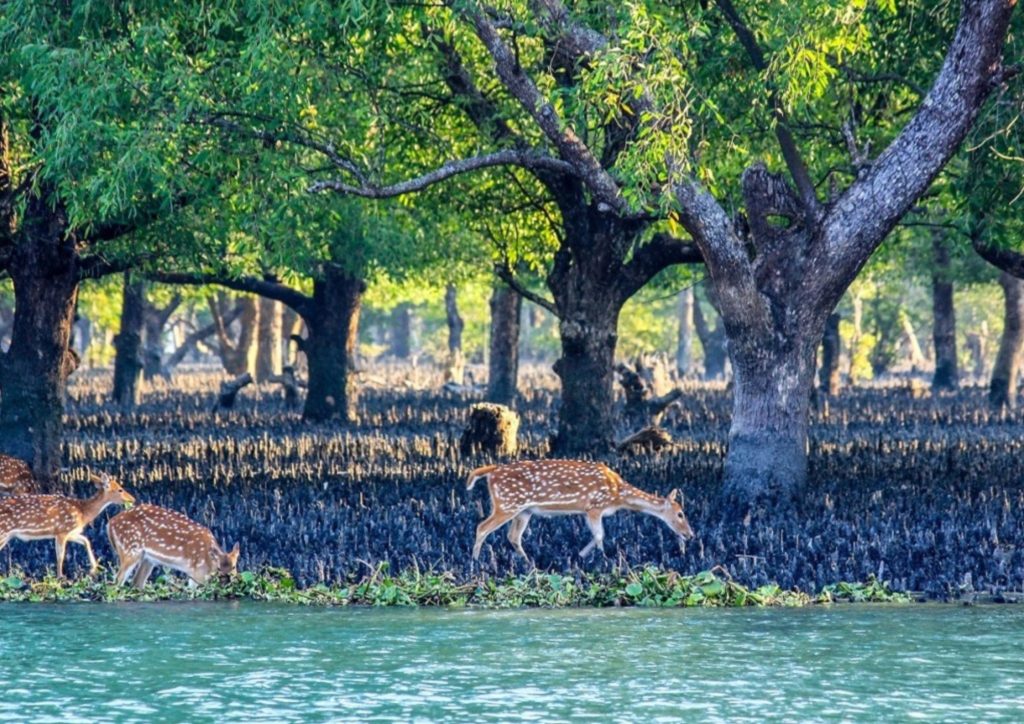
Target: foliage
<point>649,586</point>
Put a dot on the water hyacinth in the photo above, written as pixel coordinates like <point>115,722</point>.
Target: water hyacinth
<point>925,493</point>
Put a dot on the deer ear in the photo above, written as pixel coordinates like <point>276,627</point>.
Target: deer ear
<point>233,555</point>
<point>675,495</point>
<point>95,479</point>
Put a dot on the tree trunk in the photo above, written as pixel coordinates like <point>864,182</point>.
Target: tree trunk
<point>684,343</point>
<point>290,321</point>
<point>713,342</point>
<point>830,351</point>
<point>401,331</point>
<point>128,343</point>
<point>34,370</point>
<point>333,325</point>
<point>268,343</point>
<point>237,352</point>
<point>944,318</point>
<point>917,359</point>
<point>767,458</point>
<point>456,368</point>
<point>503,361</point>
<point>1002,391</point>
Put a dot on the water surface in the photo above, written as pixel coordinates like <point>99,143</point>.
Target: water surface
<point>261,662</point>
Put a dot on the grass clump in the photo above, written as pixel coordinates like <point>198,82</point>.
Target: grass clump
<point>648,586</point>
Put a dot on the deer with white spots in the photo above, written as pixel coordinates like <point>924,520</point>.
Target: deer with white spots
<point>16,477</point>
<point>523,489</point>
<point>148,536</point>
<point>41,517</point>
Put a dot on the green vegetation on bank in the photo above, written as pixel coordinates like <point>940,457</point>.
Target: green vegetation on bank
<point>648,586</point>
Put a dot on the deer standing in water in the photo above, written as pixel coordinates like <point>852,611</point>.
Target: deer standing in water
<point>40,517</point>
<point>566,487</point>
<point>148,536</point>
<point>16,477</point>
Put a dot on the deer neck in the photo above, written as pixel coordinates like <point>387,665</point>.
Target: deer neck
<point>90,508</point>
<point>640,501</point>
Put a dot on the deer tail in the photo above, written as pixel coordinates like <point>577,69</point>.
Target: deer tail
<point>479,473</point>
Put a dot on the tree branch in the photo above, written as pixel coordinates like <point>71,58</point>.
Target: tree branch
<point>505,273</point>
<point>511,157</point>
<point>1007,260</point>
<point>269,288</point>
<point>661,252</point>
<point>794,161</point>
<point>570,147</point>
<point>865,213</point>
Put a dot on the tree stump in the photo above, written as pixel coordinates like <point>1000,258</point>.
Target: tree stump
<point>650,439</point>
<point>492,429</point>
<point>229,391</point>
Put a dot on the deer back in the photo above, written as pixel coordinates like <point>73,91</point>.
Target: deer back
<point>16,477</point>
<point>39,515</point>
<point>164,534</point>
<point>563,483</point>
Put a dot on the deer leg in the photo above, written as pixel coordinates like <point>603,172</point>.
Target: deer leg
<point>84,542</point>
<point>142,574</point>
<point>596,526</point>
<point>491,524</point>
<point>126,565</point>
<point>515,533</point>
<point>60,544</point>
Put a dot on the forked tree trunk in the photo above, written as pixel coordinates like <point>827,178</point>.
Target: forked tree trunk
<point>333,324</point>
<point>268,342</point>
<point>503,360</point>
<point>1002,391</point>
<point>128,343</point>
<point>944,318</point>
<point>34,370</point>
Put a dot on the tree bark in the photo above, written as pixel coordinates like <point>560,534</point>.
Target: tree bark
<point>268,343</point>
<point>34,370</point>
<point>946,375</point>
<point>831,380</point>
<point>503,360</point>
<point>333,324</point>
<point>684,341</point>
<point>128,343</point>
<point>456,368</point>
<point>1002,391</point>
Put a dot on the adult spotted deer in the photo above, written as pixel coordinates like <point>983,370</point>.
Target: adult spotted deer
<point>149,536</point>
<point>16,477</point>
<point>38,517</point>
<point>566,487</point>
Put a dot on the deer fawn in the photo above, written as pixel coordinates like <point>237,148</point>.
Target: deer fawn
<point>38,517</point>
<point>148,536</point>
<point>16,477</point>
<point>565,487</point>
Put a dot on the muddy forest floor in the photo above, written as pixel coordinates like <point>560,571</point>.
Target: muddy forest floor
<point>926,493</point>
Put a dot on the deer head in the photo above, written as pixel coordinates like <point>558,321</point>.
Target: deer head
<point>111,491</point>
<point>672,513</point>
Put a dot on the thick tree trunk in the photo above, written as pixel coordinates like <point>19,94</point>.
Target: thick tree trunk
<point>830,379</point>
<point>503,361</point>
<point>714,343</point>
<point>268,343</point>
<point>767,459</point>
<point>946,374</point>
<point>128,343</point>
<point>34,370</point>
<point>1002,391</point>
<point>456,368</point>
<point>684,341</point>
<point>333,325</point>
<point>401,331</point>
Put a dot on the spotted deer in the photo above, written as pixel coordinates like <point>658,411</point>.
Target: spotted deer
<point>16,477</point>
<point>148,536</point>
<point>41,517</point>
<point>523,489</point>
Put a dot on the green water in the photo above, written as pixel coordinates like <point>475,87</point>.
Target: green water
<point>251,662</point>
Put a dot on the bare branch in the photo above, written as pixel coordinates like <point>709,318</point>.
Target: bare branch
<point>505,273</point>
<point>269,288</point>
<point>510,157</point>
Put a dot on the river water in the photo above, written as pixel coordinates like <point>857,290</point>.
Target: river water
<point>261,662</point>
